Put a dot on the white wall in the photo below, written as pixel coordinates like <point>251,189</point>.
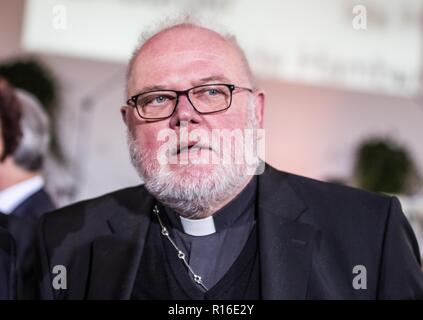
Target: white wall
<point>342,43</point>
<point>315,131</point>
<point>10,27</point>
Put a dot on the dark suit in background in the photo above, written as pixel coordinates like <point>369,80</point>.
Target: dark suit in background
<point>21,224</point>
<point>35,205</point>
<point>311,236</point>
<point>7,266</point>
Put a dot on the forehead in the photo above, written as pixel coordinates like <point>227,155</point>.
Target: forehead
<point>179,57</point>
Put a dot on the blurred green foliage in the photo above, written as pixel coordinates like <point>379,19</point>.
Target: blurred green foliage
<point>383,166</point>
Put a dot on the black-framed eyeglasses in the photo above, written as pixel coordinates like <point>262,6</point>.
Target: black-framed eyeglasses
<point>205,99</point>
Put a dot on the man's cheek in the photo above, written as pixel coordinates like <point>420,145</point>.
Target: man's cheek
<point>145,138</point>
<point>165,146</point>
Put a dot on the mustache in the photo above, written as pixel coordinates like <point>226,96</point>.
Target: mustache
<point>190,145</point>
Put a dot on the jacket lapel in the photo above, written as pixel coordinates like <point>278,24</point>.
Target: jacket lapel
<point>115,257</point>
<point>285,243</point>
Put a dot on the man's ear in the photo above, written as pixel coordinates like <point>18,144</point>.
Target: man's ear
<point>124,113</point>
<point>259,101</point>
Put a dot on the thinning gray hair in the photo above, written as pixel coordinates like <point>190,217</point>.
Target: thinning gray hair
<point>190,22</point>
<point>34,123</point>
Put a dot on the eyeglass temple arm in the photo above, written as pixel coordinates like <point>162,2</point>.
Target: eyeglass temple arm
<point>244,88</point>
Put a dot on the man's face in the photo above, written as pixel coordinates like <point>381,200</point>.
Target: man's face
<point>179,59</point>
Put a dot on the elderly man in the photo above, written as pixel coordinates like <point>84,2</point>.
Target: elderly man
<point>206,225</point>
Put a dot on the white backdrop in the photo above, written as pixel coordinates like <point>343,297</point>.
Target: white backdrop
<point>377,48</point>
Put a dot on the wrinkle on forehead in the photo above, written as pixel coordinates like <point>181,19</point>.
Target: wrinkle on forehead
<point>184,60</point>
<point>186,72</point>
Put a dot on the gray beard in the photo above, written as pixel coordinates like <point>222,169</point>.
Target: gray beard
<point>192,194</point>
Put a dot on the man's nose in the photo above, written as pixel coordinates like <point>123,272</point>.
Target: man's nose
<point>184,112</point>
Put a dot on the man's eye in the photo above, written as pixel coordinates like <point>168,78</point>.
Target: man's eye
<point>160,99</point>
<point>156,100</point>
<point>213,92</point>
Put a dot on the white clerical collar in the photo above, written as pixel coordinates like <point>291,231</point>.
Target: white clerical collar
<point>12,197</point>
<point>198,227</point>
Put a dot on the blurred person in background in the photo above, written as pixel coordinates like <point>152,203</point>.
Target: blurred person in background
<point>23,198</point>
<point>22,191</point>
<point>201,230</point>
<point>10,135</point>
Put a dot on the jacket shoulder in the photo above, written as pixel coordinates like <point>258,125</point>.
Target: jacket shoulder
<point>92,212</point>
<point>339,205</point>
<point>35,205</point>
<point>326,192</point>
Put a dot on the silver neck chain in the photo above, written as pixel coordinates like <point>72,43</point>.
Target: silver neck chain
<point>181,255</point>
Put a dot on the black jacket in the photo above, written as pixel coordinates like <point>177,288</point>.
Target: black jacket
<point>312,235</point>
<point>35,206</point>
<point>21,224</point>
<point>7,266</point>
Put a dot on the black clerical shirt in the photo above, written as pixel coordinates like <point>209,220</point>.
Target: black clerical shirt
<point>212,255</point>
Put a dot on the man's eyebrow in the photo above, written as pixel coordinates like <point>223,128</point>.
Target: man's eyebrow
<point>219,78</point>
<point>152,88</point>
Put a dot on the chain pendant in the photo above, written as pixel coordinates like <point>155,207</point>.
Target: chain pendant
<point>181,255</point>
